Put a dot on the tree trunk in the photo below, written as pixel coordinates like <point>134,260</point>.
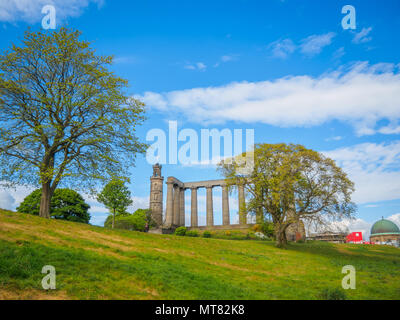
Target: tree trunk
<point>113,221</point>
<point>280,235</point>
<point>45,200</point>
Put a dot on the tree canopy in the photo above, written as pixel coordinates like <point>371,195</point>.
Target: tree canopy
<point>64,116</point>
<point>291,182</point>
<point>116,197</point>
<point>66,204</point>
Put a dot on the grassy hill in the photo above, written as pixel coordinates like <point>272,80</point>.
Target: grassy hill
<point>96,263</point>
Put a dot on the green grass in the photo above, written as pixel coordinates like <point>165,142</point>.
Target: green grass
<point>97,263</point>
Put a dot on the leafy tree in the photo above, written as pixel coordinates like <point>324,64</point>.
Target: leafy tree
<point>290,182</point>
<point>64,116</point>
<point>136,221</point>
<point>66,204</point>
<point>116,197</point>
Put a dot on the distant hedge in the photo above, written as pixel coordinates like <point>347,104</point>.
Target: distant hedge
<point>134,222</point>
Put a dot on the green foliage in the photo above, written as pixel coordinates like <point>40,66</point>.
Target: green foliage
<point>65,117</point>
<point>206,234</point>
<point>172,267</point>
<point>116,197</point>
<point>268,229</point>
<point>66,204</point>
<point>134,222</point>
<point>192,233</point>
<point>333,294</point>
<point>291,182</point>
<point>180,231</point>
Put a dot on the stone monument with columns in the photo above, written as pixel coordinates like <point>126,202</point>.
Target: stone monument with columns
<point>175,211</point>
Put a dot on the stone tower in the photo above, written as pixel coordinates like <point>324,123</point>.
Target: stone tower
<point>156,195</point>
<point>296,230</point>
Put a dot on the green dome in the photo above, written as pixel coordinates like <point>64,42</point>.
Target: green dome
<point>384,227</point>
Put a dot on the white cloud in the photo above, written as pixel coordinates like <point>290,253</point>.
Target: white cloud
<point>7,201</point>
<point>309,46</point>
<point>371,206</point>
<point>314,44</point>
<point>30,10</point>
<point>361,96</point>
<point>336,138</point>
<point>282,48</point>
<point>228,58</point>
<point>352,225</point>
<point>225,59</point>
<point>10,198</point>
<point>374,168</point>
<point>362,36</point>
<point>355,225</point>
<point>390,129</point>
<point>200,66</point>
<point>125,59</point>
<point>339,53</point>
<point>395,218</point>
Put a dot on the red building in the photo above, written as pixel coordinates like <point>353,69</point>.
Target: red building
<point>354,237</point>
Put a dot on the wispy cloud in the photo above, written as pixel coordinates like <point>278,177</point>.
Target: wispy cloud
<point>361,96</point>
<point>336,138</point>
<point>309,46</point>
<point>362,36</point>
<point>226,58</point>
<point>314,44</point>
<point>199,66</point>
<point>339,53</point>
<point>125,59</point>
<point>374,168</point>
<point>282,48</point>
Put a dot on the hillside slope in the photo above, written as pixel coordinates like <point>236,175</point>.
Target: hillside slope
<point>96,263</point>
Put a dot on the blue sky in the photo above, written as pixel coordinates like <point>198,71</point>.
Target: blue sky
<point>285,68</point>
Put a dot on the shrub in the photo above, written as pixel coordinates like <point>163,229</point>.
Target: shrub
<point>257,228</point>
<point>66,204</point>
<point>333,294</point>
<point>268,229</point>
<point>206,234</point>
<point>180,231</point>
<point>250,235</point>
<point>134,222</point>
<point>192,233</point>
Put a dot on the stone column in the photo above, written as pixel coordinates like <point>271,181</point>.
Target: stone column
<point>210,214</point>
<point>225,206</point>
<point>242,211</point>
<point>170,204</point>
<point>182,207</point>
<point>193,210</point>
<point>177,206</point>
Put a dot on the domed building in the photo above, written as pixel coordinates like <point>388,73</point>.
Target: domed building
<point>385,232</point>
